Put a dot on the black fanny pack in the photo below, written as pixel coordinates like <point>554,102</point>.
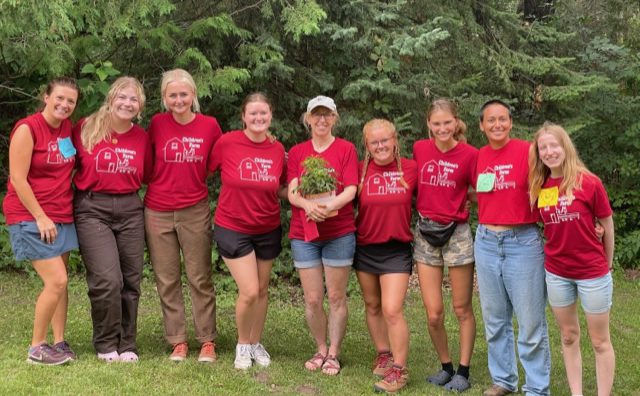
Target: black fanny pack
<point>435,233</point>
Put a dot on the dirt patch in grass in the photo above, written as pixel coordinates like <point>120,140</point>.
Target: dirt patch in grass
<point>632,274</point>
<point>307,390</point>
<point>262,377</point>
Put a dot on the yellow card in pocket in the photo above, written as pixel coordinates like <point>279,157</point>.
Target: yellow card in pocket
<point>548,197</point>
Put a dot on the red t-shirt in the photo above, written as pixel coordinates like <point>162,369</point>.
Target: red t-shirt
<point>385,201</point>
<point>251,174</point>
<point>342,157</point>
<point>117,165</point>
<point>508,201</point>
<point>49,174</point>
<point>572,249</point>
<point>180,157</point>
<point>444,180</point>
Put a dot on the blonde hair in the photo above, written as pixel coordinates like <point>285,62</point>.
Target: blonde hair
<point>179,75</point>
<point>572,168</point>
<point>260,97</point>
<point>380,123</point>
<point>451,108</point>
<point>97,127</point>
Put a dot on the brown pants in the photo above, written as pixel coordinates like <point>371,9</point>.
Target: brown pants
<point>168,233</point>
<point>111,235</point>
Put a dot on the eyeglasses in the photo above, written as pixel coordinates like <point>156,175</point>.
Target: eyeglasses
<point>381,142</point>
<point>327,116</point>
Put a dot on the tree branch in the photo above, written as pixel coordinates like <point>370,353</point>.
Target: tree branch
<point>18,91</point>
<point>247,7</point>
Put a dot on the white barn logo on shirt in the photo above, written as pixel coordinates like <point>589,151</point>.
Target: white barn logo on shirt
<point>436,173</point>
<point>385,184</point>
<point>560,213</point>
<point>182,150</point>
<point>256,169</point>
<point>501,171</point>
<point>54,156</point>
<point>109,160</point>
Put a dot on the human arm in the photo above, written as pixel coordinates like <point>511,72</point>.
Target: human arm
<point>283,192</point>
<point>608,239</point>
<point>312,209</point>
<point>472,197</point>
<point>20,152</point>
<point>342,199</point>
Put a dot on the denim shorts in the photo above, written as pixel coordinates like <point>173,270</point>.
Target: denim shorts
<point>595,294</point>
<point>27,245</point>
<point>337,252</point>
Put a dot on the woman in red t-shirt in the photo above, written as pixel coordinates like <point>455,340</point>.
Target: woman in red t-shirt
<point>578,265</point>
<point>383,254</point>
<point>446,164</point>
<point>177,215</point>
<point>247,220</point>
<point>113,161</point>
<point>322,244</point>
<point>39,211</point>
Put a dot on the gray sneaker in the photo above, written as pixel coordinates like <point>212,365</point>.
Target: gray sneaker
<point>45,354</point>
<point>260,355</point>
<point>243,357</point>
<point>64,348</point>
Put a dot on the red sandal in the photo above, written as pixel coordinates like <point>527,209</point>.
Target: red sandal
<point>316,362</point>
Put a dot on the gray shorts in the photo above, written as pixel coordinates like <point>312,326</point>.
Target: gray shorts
<point>457,251</point>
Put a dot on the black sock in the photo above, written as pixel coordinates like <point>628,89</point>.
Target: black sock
<point>448,367</point>
<point>463,371</point>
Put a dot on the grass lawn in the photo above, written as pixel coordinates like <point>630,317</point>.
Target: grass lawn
<point>286,338</point>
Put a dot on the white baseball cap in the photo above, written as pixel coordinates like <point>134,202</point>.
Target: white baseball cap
<point>321,101</point>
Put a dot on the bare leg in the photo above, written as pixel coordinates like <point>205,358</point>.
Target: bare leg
<point>312,285</point>
<point>567,318</point>
<point>461,278</point>
<point>59,319</point>
<point>430,278</point>
<point>53,273</point>
<point>337,279</point>
<point>264,276</point>
<point>370,285</point>
<point>394,289</point>
<point>245,272</point>
<point>598,326</point>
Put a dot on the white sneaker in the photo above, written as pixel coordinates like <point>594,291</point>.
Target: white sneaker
<point>260,355</point>
<point>109,357</point>
<point>129,357</point>
<point>243,357</point>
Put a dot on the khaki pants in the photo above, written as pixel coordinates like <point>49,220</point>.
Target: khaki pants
<point>111,235</point>
<point>188,231</point>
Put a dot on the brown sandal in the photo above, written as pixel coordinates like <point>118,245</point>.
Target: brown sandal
<point>316,362</point>
<point>331,366</point>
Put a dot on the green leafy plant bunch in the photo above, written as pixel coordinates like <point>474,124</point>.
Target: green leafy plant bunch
<point>317,178</point>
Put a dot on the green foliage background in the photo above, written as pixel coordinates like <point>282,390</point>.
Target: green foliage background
<point>574,62</point>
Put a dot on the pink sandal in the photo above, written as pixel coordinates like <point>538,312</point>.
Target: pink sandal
<point>316,362</point>
<point>331,366</point>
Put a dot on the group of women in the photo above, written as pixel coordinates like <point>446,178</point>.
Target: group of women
<point>112,157</point>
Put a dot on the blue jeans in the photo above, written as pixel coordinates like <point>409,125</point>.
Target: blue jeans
<point>511,278</point>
